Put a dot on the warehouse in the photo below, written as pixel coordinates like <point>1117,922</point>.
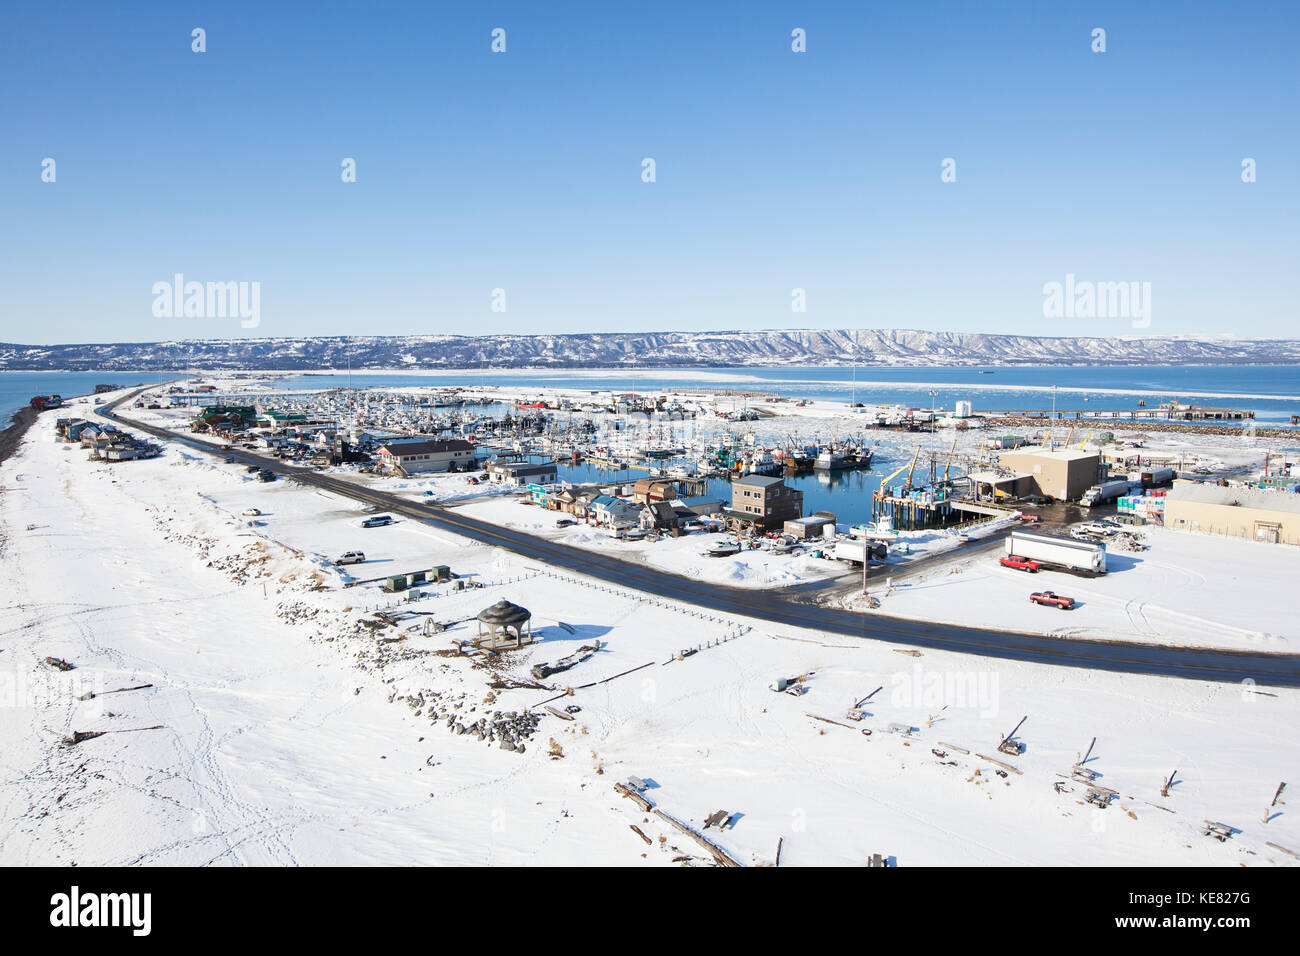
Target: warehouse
<point>1234,510</point>
<point>1064,474</point>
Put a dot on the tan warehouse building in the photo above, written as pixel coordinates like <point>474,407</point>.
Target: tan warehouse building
<point>1253,513</point>
<point>1064,473</point>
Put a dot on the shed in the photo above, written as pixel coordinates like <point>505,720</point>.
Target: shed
<point>814,526</point>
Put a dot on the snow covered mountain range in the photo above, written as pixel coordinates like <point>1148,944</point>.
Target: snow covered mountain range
<point>652,349</point>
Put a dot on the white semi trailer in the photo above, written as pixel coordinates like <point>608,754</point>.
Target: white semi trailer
<point>1104,492</point>
<point>1060,552</point>
<point>855,550</point>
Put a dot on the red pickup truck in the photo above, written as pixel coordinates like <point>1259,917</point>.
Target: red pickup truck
<point>1049,599</point>
<point>1019,563</point>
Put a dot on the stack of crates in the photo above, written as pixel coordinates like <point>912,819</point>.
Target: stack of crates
<point>1148,508</point>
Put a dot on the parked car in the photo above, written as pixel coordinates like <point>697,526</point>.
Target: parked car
<point>1019,563</point>
<point>251,468</point>
<point>350,557</point>
<point>377,521</point>
<point>230,461</point>
<point>564,522</point>
<point>1050,599</point>
<point>252,512</point>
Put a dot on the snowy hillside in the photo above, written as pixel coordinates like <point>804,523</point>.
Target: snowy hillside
<point>600,350</point>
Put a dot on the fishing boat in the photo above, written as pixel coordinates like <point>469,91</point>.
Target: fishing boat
<point>762,463</point>
<point>829,460</point>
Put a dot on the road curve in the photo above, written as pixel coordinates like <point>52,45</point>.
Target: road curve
<point>1263,668</point>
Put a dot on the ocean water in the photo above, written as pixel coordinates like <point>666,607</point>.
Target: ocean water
<point>1271,391</point>
<point>18,388</point>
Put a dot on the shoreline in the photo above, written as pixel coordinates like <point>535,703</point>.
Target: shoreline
<point>12,436</point>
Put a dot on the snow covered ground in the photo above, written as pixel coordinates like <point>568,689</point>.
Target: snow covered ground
<point>288,732</point>
<point>1186,589</point>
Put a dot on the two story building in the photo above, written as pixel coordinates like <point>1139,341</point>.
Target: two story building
<point>418,457</point>
<point>763,502</point>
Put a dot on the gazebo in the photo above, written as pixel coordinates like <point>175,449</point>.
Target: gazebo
<point>507,623</point>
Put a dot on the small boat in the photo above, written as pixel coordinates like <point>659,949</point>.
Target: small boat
<point>724,549</point>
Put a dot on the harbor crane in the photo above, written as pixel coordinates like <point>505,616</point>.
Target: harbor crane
<point>910,466</point>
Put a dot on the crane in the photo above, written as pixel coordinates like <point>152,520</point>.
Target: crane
<point>947,466</point>
<point>884,483</point>
<point>915,458</point>
<point>1085,441</point>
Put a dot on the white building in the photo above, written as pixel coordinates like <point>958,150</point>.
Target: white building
<point>416,457</point>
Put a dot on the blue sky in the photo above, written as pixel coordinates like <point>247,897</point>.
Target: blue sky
<point>522,170</point>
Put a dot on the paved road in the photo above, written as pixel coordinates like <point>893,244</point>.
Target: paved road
<point>777,607</point>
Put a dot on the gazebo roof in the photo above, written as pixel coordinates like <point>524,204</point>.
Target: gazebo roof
<point>504,613</point>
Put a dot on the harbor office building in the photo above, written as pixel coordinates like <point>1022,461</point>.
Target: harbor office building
<point>763,502</point>
<point>1236,511</point>
<point>419,457</point>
